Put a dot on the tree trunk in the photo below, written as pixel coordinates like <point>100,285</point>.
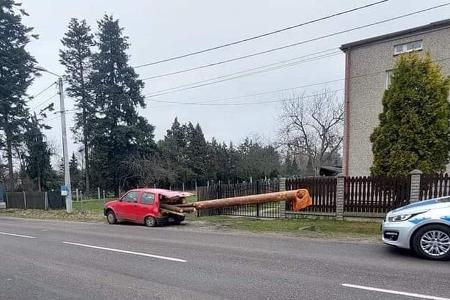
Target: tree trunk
<point>39,183</point>
<point>85,138</point>
<point>10,162</point>
<point>86,152</point>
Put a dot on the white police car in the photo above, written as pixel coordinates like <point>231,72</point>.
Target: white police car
<point>422,226</point>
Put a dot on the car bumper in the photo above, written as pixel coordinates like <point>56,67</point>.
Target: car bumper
<point>397,233</point>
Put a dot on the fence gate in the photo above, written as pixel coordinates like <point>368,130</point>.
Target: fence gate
<point>55,200</point>
<point>321,189</point>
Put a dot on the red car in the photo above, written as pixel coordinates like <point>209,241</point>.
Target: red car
<point>143,206</point>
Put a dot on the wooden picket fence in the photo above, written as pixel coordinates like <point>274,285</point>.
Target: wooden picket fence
<point>432,186</point>
<point>374,194</point>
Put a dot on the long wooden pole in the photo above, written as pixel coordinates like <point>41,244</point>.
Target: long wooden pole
<point>300,198</point>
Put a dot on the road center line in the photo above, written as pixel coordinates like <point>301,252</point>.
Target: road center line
<point>17,235</point>
<point>127,252</point>
<point>367,288</point>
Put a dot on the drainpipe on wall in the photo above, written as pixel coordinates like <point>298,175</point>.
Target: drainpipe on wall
<point>347,112</point>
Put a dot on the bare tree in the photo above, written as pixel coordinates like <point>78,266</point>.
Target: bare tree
<point>312,127</point>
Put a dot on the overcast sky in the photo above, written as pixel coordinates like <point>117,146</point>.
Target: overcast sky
<point>165,28</point>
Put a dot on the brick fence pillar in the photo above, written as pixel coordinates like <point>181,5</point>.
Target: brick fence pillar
<point>415,186</point>
<point>340,186</point>
<point>282,203</point>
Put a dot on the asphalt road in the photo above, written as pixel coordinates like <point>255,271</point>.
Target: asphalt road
<point>68,260</point>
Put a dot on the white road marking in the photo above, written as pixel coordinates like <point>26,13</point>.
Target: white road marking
<point>367,288</point>
<point>18,235</point>
<point>127,252</point>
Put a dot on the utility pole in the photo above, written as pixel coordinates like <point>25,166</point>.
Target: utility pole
<point>64,143</point>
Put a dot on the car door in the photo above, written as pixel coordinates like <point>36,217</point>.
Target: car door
<point>147,206</point>
<point>128,206</point>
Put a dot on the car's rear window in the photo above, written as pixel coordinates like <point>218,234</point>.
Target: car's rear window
<point>148,198</point>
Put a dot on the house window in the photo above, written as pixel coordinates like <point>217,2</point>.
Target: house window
<point>408,47</point>
<point>388,78</point>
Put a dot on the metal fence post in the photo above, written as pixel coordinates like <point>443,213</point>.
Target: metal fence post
<point>340,190</point>
<point>415,185</point>
<point>24,200</point>
<point>98,193</point>
<point>46,201</point>
<point>282,188</point>
<point>258,191</point>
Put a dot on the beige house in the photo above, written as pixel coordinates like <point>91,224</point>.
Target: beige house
<point>367,74</point>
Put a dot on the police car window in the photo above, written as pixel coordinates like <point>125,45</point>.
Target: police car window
<point>147,198</point>
<point>445,199</point>
<point>130,197</point>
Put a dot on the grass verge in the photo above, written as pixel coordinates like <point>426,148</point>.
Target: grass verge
<point>306,226</point>
<point>53,214</point>
<point>87,211</point>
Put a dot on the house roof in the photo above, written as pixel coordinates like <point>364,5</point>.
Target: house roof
<point>393,35</point>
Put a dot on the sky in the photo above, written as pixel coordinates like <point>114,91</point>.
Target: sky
<point>166,28</point>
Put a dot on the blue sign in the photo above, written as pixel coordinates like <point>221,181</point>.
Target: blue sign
<point>64,190</point>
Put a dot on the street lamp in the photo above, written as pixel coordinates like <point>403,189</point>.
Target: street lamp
<point>64,138</point>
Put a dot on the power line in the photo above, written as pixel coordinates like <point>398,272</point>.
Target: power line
<point>225,61</point>
<point>261,35</point>
<point>335,33</point>
<point>205,102</point>
<point>249,95</point>
<point>231,76</point>
<point>41,92</point>
<point>69,111</point>
<point>45,101</point>
<point>256,102</point>
<point>166,91</point>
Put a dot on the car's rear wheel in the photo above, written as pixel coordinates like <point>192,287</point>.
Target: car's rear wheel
<point>432,242</point>
<point>111,217</point>
<point>178,220</point>
<point>150,222</point>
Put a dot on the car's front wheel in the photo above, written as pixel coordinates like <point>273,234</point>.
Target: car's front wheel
<point>432,242</point>
<point>111,217</point>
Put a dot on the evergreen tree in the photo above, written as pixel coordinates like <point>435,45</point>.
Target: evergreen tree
<point>75,173</point>
<point>173,149</point>
<point>17,69</point>
<point>414,130</point>
<point>174,143</point>
<point>120,133</point>
<point>76,57</point>
<point>213,160</point>
<point>38,153</point>
<point>290,166</point>
<point>196,153</point>
<point>257,161</point>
